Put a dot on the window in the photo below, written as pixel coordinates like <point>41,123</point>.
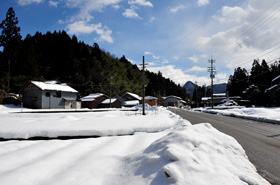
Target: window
<point>48,94</point>
<point>58,94</point>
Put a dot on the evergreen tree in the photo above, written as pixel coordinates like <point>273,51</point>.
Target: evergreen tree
<point>10,35</point>
<point>10,39</point>
<point>238,82</point>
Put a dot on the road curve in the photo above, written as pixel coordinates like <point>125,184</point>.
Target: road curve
<point>261,141</point>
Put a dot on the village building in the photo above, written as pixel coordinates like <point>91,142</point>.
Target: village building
<point>49,95</point>
<point>150,100</point>
<point>93,101</point>
<point>273,93</point>
<point>115,102</point>
<point>174,101</point>
<point>131,99</point>
<point>218,99</point>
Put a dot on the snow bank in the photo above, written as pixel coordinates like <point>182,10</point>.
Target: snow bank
<point>259,114</point>
<point>196,155</point>
<point>191,155</point>
<point>27,125</point>
<point>165,149</point>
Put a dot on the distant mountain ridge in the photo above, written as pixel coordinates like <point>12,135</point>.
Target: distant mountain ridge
<point>219,88</point>
<point>190,88</point>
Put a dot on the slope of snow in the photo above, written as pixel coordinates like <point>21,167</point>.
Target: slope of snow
<point>27,125</point>
<point>175,153</point>
<point>259,114</point>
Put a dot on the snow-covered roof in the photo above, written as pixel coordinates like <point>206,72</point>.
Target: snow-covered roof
<point>53,87</point>
<point>131,103</point>
<point>276,78</point>
<point>134,95</point>
<point>150,98</point>
<point>219,94</point>
<point>173,97</point>
<point>91,97</point>
<point>107,101</point>
<point>272,87</point>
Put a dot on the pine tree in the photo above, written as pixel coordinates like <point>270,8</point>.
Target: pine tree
<point>10,38</point>
<point>238,82</point>
<point>10,35</point>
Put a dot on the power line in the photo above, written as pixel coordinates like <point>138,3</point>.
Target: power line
<point>250,31</point>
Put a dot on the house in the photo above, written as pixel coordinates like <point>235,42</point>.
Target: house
<point>116,102</point>
<point>218,98</point>
<point>273,93</point>
<point>131,99</point>
<point>150,100</point>
<point>173,101</point>
<point>93,101</point>
<point>49,95</point>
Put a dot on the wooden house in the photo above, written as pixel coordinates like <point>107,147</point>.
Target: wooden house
<point>115,102</point>
<point>131,99</point>
<point>93,101</point>
<point>173,101</point>
<point>152,101</point>
<point>49,95</point>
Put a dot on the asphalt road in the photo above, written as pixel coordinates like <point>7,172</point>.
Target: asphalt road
<point>261,141</point>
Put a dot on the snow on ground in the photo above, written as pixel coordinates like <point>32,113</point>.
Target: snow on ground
<point>259,114</point>
<point>27,125</point>
<point>175,153</point>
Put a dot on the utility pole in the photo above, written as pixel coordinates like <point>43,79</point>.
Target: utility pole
<point>111,91</point>
<point>143,98</point>
<point>196,94</point>
<point>212,70</point>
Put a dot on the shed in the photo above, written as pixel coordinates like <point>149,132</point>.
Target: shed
<point>152,101</point>
<point>131,99</point>
<point>116,102</point>
<point>48,95</point>
<point>93,100</point>
<point>173,101</point>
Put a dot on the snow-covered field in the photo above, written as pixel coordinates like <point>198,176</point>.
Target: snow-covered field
<point>271,115</point>
<point>159,148</point>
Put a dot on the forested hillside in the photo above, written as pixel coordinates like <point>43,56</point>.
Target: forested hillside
<point>89,69</point>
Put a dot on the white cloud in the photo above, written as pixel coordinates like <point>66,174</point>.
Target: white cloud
<point>115,6</point>
<point>87,6</point>
<point>233,14</point>
<point>176,9</point>
<point>193,59</point>
<point>53,3</point>
<point>82,27</point>
<point>152,19</point>
<point>197,69</point>
<point>222,78</point>
<point>241,34</point>
<point>148,53</point>
<point>153,56</point>
<point>130,13</point>
<point>28,2</point>
<point>178,76</point>
<point>202,2</point>
<point>141,3</point>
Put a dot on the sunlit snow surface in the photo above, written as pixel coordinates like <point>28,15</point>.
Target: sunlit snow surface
<point>164,149</point>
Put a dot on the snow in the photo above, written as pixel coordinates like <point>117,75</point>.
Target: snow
<point>91,97</point>
<point>259,114</point>
<point>162,149</point>
<point>107,101</point>
<point>131,103</point>
<point>51,86</point>
<point>135,96</point>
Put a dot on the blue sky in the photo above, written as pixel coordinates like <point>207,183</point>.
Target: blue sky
<point>177,37</point>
